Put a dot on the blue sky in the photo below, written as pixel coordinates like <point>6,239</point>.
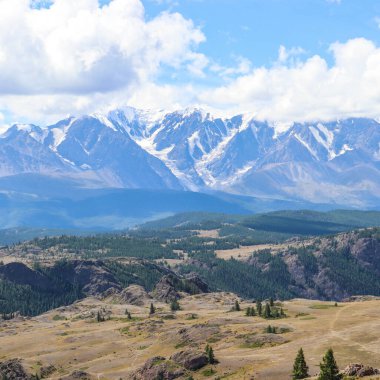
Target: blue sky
<point>281,59</point>
<point>255,29</point>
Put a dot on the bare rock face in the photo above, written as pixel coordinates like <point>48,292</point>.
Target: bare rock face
<point>158,368</point>
<point>94,278</point>
<point>13,370</point>
<point>360,370</point>
<point>170,287</point>
<point>191,360</point>
<point>134,295</point>
<point>199,285</point>
<point>165,290</point>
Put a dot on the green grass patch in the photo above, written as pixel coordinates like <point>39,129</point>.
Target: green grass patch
<point>208,372</point>
<point>321,306</point>
<point>58,317</point>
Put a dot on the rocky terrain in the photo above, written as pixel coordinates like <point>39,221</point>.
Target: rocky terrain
<point>70,343</point>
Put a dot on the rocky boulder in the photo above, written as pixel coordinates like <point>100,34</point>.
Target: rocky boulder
<point>360,370</point>
<point>190,359</point>
<point>158,368</point>
<point>13,370</point>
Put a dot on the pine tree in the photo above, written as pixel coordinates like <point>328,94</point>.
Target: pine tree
<point>300,368</point>
<point>271,302</point>
<point>269,330</point>
<point>253,311</point>
<point>248,312</point>
<point>152,309</point>
<point>210,354</point>
<point>329,368</point>
<point>237,306</point>
<point>259,307</point>
<point>267,312</point>
<point>129,315</point>
<point>174,305</point>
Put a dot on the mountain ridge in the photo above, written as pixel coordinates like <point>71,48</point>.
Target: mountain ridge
<point>335,162</point>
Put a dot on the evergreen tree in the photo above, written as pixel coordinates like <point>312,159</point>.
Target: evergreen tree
<point>329,368</point>
<point>174,305</point>
<point>129,315</point>
<point>237,306</point>
<point>210,354</point>
<point>267,311</point>
<point>248,311</point>
<point>152,309</point>
<point>271,302</point>
<point>259,307</point>
<point>300,368</point>
<point>282,314</point>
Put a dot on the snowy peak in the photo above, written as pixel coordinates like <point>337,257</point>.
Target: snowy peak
<point>195,150</point>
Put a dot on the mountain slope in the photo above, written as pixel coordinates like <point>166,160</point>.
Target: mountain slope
<point>336,162</point>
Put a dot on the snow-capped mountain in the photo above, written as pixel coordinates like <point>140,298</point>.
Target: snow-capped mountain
<point>330,162</point>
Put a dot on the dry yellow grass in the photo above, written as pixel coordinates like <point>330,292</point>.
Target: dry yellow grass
<point>112,349</point>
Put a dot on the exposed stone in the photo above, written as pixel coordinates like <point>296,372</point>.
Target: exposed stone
<point>191,360</point>
<point>360,370</point>
<point>46,371</point>
<point>158,368</point>
<point>194,279</point>
<point>134,295</point>
<point>13,370</point>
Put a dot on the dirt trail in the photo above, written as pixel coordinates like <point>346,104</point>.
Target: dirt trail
<point>337,333</point>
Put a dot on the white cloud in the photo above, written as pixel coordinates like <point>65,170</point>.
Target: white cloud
<point>75,57</point>
<point>309,90</point>
<point>289,55</point>
<point>77,46</point>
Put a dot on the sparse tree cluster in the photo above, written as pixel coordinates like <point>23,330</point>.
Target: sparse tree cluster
<point>250,311</point>
<point>328,367</point>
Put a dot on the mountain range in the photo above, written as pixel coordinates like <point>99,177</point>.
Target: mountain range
<point>335,163</point>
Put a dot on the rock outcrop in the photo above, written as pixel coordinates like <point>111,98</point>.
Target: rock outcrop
<point>14,370</point>
<point>133,295</point>
<point>360,370</point>
<point>158,368</point>
<point>171,287</point>
<point>191,360</point>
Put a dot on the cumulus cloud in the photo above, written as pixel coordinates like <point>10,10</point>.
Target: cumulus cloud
<point>60,57</point>
<point>78,46</point>
<point>311,89</point>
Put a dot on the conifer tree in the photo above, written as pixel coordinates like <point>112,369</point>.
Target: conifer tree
<point>248,311</point>
<point>271,302</point>
<point>259,307</point>
<point>300,368</point>
<point>152,309</point>
<point>174,305</point>
<point>237,306</point>
<point>210,354</point>
<point>329,368</point>
<point>253,311</point>
<point>267,312</point>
